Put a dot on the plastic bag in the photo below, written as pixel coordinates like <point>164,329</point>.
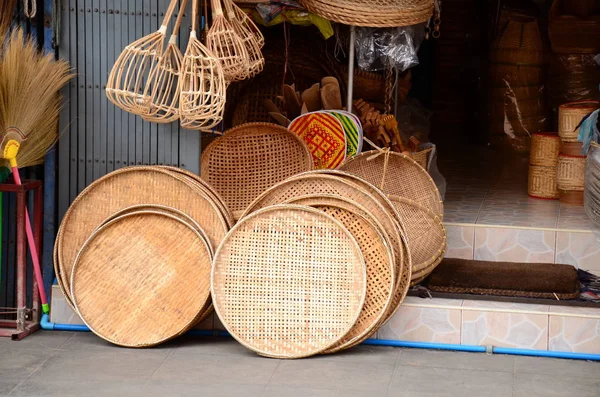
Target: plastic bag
<point>573,77</point>
<point>433,170</point>
<point>414,120</point>
<point>379,48</point>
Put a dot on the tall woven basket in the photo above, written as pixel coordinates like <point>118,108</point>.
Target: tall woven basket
<point>571,172</point>
<point>570,115</point>
<point>542,182</point>
<point>544,149</point>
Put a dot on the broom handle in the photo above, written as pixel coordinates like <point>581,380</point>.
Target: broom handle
<point>173,38</point>
<point>229,9</point>
<point>168,15</point>
<point>33,251</point>
<point>217,9</point>
<point>194,17</point>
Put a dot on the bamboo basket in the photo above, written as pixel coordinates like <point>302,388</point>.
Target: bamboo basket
<point>513,75</point>
<point>570,115</point>
<point>372,13</point>
<point>422,157</point>
<point>516,108</point>
<point>542,182</point>
<point>520,33</point>
<point>571,148</point>
<point>285,273</point>
<point>570,174</point>
<point>572,35</point>
<point>544,150</point>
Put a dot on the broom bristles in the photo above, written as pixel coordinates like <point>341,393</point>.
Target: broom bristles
<point>7,10</point>
<point>29,96</point>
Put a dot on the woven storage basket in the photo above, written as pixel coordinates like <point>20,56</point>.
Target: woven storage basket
<point>542,182</point>
<point>570,174</point>
<point>372,13</point>
<point>520,33</point>
<point>516,108</point>
<point>379,258</point>
<point>509,75</point>
<point>122,189</point>
<point>571,148</point>
<point>158,272</point>
<point>570,115</point>
<point>571,35</point>
<point>422,157</point>
<point>284,275</point>
<point>544,149</point>
<point>425,233</point>
<point>363,193</point>
<point>249,159</point>
<point>514,93</point>
<point>398,175</point>
<point>403,256</point>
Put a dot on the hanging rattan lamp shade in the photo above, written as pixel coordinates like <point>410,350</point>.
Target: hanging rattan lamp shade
<point>398,175</point>
<point>379,258</point>
<point>288,281</point>
<point>122,189</point>
<point>142,279</point>
<point>249,159</point>
<point>373,13</point>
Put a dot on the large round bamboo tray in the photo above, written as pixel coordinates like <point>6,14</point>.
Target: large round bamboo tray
<point>570,174</point>
<point>122,189</point>
<point>379,258</point>
<point>544,149</point>
<point>153,288</point>
<point>249,159</point>
<point>570,115</point>
<point>425,233</point>
<point>398,175</point>
<point>372,13</point>
<point>289,281</point>
<point>199,183</point>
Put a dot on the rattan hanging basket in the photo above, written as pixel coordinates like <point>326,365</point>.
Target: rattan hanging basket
<point>284,275</point>
<point>544,149</point>
<point>570,174</point>
<point>249,159</point>
<point>158,272</point>
<point>373,13</point>
<point>542,182</point>
<point>570,115</point>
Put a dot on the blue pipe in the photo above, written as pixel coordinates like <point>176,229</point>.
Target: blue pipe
<point>47,325</point>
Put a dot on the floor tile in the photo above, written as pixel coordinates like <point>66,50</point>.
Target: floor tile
<point>365,354</point>
<point>323,374</point>
<point>423,324</point>
<point>574,334</point>
<point>214,345</point>
<point>460,241</point>
<point>78,388</point>
<point>557,367</point>
<point>456,360</point>
<point>166,389</point>
<point>527,385</point>
<point>40,339</point>
<point>7,384</point>
<point>434,382</point>
<point>287,391</point>
<point>581,250</point>
<point>514,245</point>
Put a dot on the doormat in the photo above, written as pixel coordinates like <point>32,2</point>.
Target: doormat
<point>529,280</point>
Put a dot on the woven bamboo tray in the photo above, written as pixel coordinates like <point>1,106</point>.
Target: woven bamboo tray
<point>425,233</point>
<point>570,115</point>
<point>544,149</point>
<point>542,182</point>
<point>379,258</point>
<point>249,159</point>
<point>373,13</point>
<point>153,288</point>
<point>570,174</point>
<point>122,189</point>
<point>289,281</point>
<point>398,175</point>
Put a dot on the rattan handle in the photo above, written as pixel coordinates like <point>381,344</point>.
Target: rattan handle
<point>173,38</point>
<point>168,15</point>
<point>216,8</point>
<point>194,17</point>
<point>229,8</point>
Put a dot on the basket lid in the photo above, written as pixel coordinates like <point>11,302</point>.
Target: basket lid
<point>142,279</point>
<point>288,281</point>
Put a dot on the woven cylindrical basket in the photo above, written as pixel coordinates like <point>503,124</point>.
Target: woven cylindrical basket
<point>289,281</point>
<point>422,157</point>
<point>544,149</point>
<point>372,13</point>
<point>571,148</point>
<point>542,182</point>
<point>155,285</point>
<point>570,174</point>
<point>570,115</point>
<point>572,197</point>
<point>249,159</point>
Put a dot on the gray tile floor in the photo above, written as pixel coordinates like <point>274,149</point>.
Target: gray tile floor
<point>80,364</point>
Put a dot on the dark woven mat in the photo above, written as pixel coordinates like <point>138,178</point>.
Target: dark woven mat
<point>530,280</point>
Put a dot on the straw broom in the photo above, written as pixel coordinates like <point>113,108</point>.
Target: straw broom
<point>29,109</point>
<point>7,9</point>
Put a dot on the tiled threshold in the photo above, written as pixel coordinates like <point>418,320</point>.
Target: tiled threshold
<point>500,324</point>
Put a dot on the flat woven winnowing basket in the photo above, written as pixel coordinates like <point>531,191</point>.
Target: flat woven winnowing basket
<point>249,159</point>
<point>158,272</point>
<point>288,281</point>
<point>379,258</point>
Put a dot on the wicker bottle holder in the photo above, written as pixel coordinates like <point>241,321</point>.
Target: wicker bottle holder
<point>544,150</point>
<point>570,115</point>
<point>542,182</point>
<point>570,174</point>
